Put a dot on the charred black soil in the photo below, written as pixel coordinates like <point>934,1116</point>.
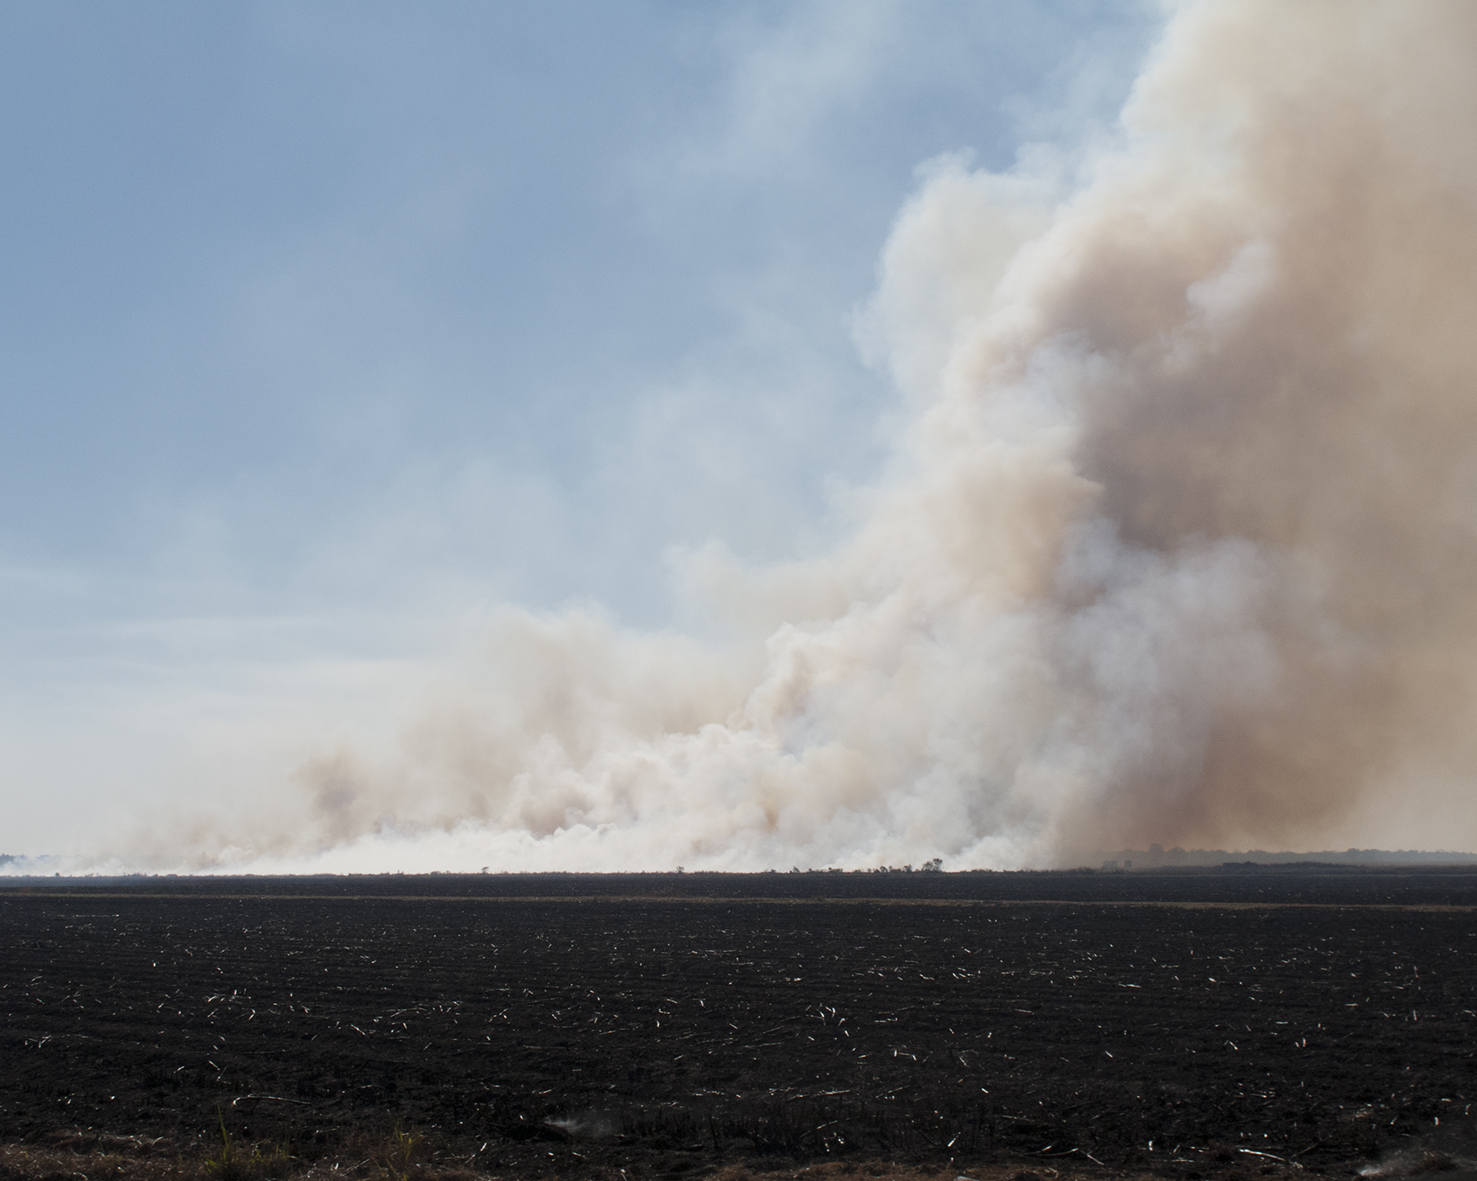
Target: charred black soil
<point>1210,1023</point>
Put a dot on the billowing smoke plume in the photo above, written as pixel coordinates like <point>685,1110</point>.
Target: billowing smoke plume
<point>1180,544</point>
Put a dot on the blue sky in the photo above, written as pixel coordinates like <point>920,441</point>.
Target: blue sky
<point>325,326</point>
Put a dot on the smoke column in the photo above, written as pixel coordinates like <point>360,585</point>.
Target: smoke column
<point>1177,545</point>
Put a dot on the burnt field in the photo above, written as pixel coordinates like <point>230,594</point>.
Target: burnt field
<point>1235,1021</point>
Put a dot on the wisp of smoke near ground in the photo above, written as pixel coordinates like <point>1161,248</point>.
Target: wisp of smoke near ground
<point>1177,543</point>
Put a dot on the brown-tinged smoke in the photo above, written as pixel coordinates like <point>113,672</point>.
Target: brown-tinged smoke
<point>1179,546</point>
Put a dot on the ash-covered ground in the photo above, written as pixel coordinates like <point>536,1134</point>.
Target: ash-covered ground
<point>1184,1023</point>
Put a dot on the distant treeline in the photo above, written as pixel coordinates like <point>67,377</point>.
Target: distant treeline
<point>1156,855</point>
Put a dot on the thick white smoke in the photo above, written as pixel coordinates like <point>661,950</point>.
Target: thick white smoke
<point>1178,545</point>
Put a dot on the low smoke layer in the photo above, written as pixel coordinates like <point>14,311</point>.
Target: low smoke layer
<point>1177,546</point>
